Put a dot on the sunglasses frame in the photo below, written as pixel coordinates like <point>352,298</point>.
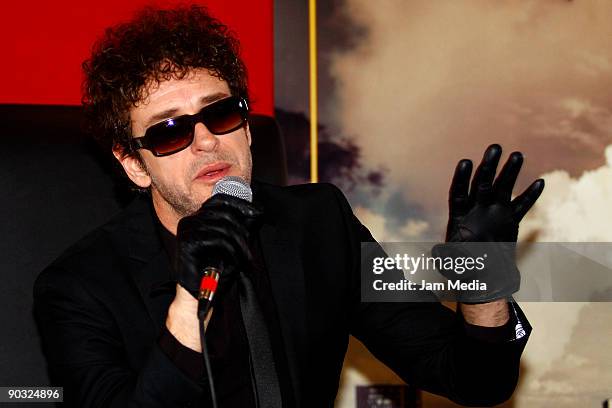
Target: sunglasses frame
<point>144,142</point>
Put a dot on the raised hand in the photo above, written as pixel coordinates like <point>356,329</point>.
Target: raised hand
<point>487,213</point>
<point>484,212</point>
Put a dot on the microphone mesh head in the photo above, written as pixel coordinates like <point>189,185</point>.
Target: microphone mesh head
<point>234,186</point>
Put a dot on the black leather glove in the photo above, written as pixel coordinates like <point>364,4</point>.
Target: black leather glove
<point>216,235</point>
<point>487,213</point>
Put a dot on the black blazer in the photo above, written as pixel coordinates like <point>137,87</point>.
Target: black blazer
<point>99,313</point>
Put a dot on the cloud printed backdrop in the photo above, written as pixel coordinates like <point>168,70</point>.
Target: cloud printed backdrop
<point>418,85</point>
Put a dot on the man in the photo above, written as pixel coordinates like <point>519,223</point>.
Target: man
<point>118,311</point>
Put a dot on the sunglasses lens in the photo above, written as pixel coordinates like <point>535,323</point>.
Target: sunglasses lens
<point>173,135</point>
<point>224,116</point>
<point>170,137</point>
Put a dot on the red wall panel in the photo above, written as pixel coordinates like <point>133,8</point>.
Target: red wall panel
<point>44,43</point>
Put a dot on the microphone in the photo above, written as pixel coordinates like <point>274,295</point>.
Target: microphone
<point>237,187</point>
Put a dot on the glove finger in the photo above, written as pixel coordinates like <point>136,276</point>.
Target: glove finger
<point>482,185</point>
<point>237,236</point>
<point>507,177</point>
<point>189,274</point>
<point>231,238</point>
<point>220,253</point>
<point>234,204</point>
<point>522,203</point>
<point>458,204</point>
<point>195,226</point>
<point>222,219</point>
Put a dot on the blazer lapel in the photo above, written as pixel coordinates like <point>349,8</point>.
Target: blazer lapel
<point>280,246</point>
<point>155,287</point>
<point>148,263</point>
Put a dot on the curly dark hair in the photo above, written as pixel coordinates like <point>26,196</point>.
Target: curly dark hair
<point>156,45</point>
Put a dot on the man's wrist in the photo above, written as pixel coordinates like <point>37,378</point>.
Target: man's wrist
<point>491,314</point>
<point>182,320</point>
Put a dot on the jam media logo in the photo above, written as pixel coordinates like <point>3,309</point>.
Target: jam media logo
<point>424,285</point>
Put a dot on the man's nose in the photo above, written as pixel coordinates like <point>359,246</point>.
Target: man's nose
<point>204,140</point>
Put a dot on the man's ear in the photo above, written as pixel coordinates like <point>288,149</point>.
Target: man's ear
<point>132,166</point>
<point>248,133</point>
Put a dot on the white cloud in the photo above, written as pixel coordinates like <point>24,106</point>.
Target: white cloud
<point>414,228</point>
<point>373,221</point>
<point>573,209</point>
<point>379,226</point>
<point>594,64</point>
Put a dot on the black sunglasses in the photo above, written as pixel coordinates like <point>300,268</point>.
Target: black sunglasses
<point>175,134</point>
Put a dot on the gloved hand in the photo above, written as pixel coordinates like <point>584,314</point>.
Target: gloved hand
<point>488,214</point>
<point>215,235</point>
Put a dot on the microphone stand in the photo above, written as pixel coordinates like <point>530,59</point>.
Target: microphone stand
<point>208,286</point>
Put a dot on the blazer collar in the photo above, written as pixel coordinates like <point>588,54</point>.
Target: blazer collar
<point>141,229</point>
<point>148,263</point>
